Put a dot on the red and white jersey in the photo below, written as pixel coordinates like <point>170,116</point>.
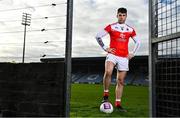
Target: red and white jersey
<point>119,37</point>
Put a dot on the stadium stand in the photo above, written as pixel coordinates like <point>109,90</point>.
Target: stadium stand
<point>77,76</point>
<point>94,78</point>
<point>90,70</point>
<point>140,79</point>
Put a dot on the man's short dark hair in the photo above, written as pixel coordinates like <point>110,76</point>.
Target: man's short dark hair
<point>122,10</point>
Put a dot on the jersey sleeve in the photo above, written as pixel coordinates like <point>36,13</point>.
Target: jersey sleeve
<point>108,28</point>
<point>133,33</point>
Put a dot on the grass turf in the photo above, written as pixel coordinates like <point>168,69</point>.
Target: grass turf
<point>86,99</point>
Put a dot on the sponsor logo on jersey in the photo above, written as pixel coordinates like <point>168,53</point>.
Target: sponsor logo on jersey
<point>122,37</point>
<point>122,28</point>
<point>116,27</point>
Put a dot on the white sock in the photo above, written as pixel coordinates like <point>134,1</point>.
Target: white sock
<point>118,100</point>
<point>106,90</point>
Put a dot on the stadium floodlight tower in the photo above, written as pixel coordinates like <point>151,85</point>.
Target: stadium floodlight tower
<point>26,21</point>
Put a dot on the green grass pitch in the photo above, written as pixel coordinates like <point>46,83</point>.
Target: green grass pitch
<point>86,100</point>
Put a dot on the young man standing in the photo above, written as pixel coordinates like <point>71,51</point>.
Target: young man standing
<point>118,55</point>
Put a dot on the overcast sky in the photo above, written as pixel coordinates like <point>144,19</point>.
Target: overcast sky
<point>90,16</point>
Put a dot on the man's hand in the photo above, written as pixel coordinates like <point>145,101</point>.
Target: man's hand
<point>130,56</point>
<point>111,50</point>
